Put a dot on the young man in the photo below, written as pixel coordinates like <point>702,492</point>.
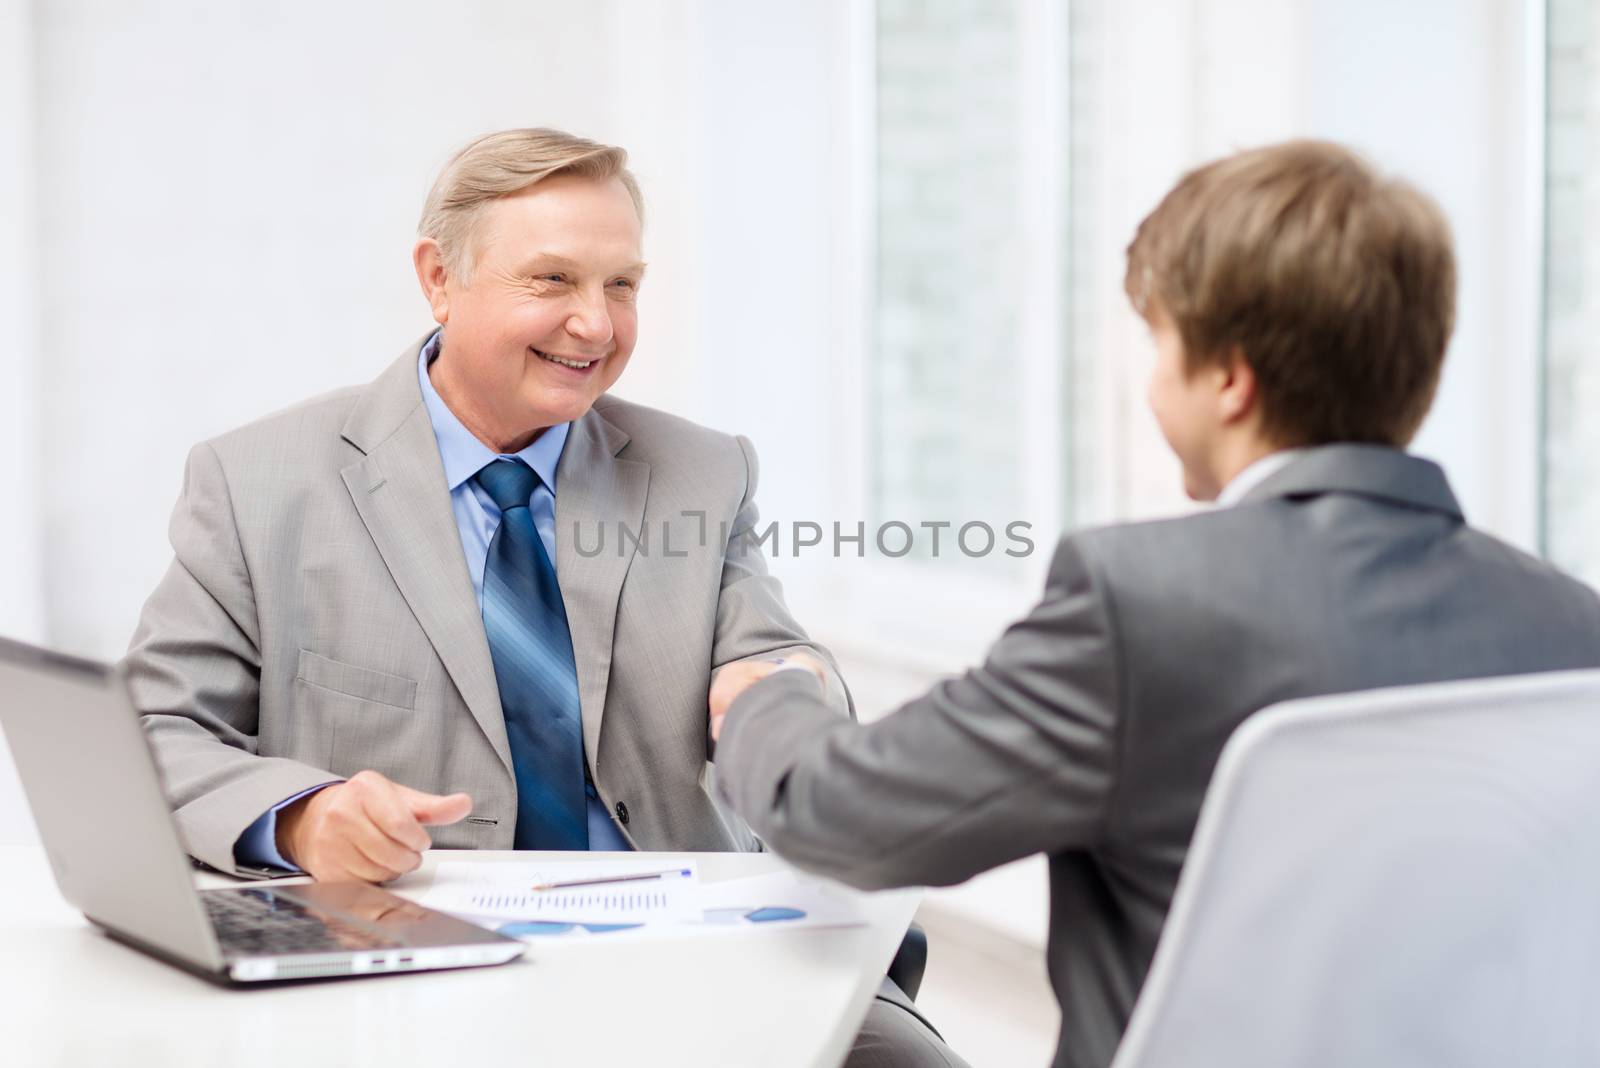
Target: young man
<point>1301,305</point>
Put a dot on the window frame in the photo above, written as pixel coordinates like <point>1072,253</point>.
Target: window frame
<point>905,611</point>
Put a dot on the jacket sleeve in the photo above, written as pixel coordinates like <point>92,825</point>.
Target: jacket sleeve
<point>193,670</point>
<point>1014,757</point>
<point>753,623</point>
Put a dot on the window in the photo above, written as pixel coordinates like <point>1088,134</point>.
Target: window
<point>1571,497</point>
<point>969,384</point>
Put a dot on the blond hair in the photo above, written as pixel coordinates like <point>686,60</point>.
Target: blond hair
<point>1336,284</point>
<point>500,164</point>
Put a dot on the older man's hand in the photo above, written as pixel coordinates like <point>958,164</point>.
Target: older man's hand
<point>368,828</point>
<point>734,679</point>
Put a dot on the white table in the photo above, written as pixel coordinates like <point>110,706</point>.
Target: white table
<point>69,996</point>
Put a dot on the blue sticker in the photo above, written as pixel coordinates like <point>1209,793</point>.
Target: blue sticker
<point>767,915</point>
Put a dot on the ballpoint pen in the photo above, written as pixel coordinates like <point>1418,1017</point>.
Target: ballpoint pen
<point>540,887</point>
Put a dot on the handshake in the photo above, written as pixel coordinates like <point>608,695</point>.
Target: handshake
<point>370,828</point>
<point>736,678</point>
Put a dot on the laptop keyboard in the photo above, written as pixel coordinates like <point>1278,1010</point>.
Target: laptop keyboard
<point>258,923</point>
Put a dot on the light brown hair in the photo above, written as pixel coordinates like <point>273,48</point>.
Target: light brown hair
<point>499,164</point>
<point>1335,283</point>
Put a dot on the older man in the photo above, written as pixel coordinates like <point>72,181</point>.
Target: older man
<point>411,604</point>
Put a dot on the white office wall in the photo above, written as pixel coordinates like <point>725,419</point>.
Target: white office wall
<point>227,195</point>
<point>228,199</point>
<point>21,585</point>
<point>766,128</point>
<point>21,590</point>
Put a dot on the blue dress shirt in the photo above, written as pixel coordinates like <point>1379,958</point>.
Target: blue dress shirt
<point>477,518</point>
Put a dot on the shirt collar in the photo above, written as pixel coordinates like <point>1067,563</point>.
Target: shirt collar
<point>1254,475</point>
<point>463,454</point>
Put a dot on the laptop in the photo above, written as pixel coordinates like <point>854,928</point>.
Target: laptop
<point>97,798</point>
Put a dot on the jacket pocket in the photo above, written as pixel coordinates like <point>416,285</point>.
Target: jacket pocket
<point>364,684</point>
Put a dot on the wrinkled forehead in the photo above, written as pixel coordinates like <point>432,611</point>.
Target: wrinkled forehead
<point>584,223</point>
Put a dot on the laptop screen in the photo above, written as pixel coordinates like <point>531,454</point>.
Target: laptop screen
<point>96,796</point>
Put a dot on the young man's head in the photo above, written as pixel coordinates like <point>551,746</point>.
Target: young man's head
<point>1297,298</point>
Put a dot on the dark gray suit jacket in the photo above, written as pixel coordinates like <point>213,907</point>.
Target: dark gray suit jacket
<point>1091,730</point>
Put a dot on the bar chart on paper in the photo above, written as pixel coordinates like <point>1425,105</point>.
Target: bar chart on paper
<point>622,901</point>
<point>602,892</point>
<point>631,898</point>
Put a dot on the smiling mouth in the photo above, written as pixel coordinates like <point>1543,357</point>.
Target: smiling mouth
<point>562,361</point>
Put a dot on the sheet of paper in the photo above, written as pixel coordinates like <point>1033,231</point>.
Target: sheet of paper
<point>512,892</point>
<point>777,900</point>
<point>673,904</point>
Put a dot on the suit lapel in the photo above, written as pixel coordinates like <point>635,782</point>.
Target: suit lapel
<point>595,492</point>
<point>399,489</point>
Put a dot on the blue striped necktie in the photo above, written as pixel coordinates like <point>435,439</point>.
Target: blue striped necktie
<point>533,665</point>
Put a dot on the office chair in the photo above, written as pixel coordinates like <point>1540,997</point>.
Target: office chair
<point>1394,878</point>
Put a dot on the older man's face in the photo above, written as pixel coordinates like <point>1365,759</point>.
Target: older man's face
<point>548,319</point>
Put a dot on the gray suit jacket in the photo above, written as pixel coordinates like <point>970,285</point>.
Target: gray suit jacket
<point>318,619</point>
<point>1091,730</point>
